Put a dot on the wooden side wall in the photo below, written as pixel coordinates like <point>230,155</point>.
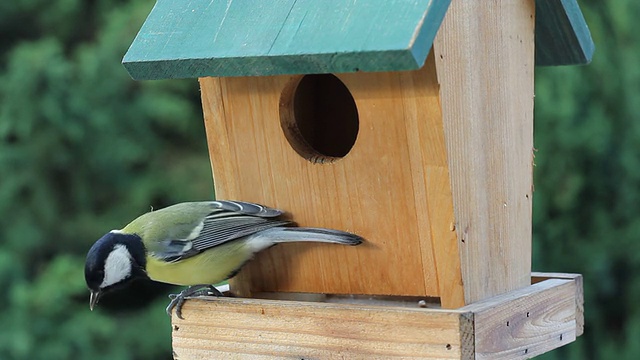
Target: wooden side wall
<point>485,63</point>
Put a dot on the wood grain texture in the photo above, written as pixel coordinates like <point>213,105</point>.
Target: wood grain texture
<point>228,328</point>
<point>527,322</point>
<point>537,277</point>
<point>392,188</point>
<point>197,38</point>
<point>516,325</point>
<point>484,58</point>
<point>562,34</point>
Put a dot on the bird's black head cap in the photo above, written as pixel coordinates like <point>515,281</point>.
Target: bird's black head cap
<point>106,246</point>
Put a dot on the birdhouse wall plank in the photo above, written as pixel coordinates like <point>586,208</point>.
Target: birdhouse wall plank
<point>392,188</point>
<point>485,60</point>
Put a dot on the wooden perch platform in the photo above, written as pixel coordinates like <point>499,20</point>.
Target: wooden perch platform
<point>516,325</point>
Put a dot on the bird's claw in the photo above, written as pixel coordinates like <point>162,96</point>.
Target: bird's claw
<point>177,300</point>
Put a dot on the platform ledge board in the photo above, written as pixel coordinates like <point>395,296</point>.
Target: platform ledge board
<point>516,325</point>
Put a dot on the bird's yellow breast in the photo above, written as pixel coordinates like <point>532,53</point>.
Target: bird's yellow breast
<point>209,267</point>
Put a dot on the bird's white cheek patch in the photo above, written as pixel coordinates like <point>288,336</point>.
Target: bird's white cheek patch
<point>117,266</point>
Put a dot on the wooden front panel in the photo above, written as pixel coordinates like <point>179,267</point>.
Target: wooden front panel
<point>392,188</point>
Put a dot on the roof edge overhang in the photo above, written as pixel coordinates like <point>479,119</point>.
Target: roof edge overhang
<point>188,39</point>
<point>562,34</point>
<point>198,38</point>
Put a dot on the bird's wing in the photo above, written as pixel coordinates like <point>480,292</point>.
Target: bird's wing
<point>226,221</point>
<point>223,226</point>
<point>246,208</point>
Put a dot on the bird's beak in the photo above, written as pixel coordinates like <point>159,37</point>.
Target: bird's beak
<point>93,300</point>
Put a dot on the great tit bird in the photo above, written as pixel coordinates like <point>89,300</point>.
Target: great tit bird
<point>193,244</point>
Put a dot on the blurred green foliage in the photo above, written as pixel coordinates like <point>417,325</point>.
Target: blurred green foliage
<point>587,180</point>
<point>83,149</point>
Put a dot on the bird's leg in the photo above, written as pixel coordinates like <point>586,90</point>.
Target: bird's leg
<point>177,300</point>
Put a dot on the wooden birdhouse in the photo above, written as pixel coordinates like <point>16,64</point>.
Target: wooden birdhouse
<point>409,123</point>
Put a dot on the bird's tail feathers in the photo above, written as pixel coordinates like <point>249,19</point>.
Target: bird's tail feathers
<point>277,235</point>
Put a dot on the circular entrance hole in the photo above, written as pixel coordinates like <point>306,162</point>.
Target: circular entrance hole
<point>319,117</point>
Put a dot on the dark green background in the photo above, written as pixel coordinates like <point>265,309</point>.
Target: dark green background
<point>84,149</point>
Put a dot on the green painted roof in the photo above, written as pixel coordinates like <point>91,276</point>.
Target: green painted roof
<point>562,35</point>
<point>195,38</point>
<point>250,37</point>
